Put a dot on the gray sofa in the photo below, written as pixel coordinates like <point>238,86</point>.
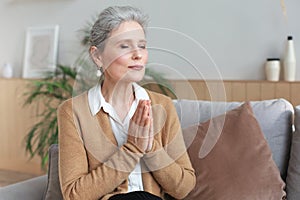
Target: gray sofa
<point>274,117</point>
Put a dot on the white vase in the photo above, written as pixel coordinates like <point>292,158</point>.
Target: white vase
<point>7,71</point>
<point>289,62</point>
<point>272,69</point>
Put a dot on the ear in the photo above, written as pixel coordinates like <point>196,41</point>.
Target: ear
<point>94,52</point>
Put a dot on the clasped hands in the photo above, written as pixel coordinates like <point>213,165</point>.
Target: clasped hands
<point>140,131</point>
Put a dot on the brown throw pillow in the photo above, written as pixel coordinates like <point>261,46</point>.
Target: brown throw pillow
<point>235,164</point>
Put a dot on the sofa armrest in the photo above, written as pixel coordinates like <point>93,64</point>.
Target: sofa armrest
<point>32,189</point>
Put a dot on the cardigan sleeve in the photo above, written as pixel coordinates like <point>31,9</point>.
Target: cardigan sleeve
<point>168,160</point>
<point>77,182</point>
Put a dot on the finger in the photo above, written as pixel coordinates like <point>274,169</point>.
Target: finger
<point>144,129</point>
<point>147,102</point>
<point>145,118</point>
<point>151,136</point>
<point>150,112</point>
<point>150,128</point>
<point>137,117</point>
<point>134,116</point>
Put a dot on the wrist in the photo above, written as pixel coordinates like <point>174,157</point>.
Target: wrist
<point>134,148</point>
<point>131,146</point>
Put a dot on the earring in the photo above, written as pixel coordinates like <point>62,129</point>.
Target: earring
<point>99,72</point>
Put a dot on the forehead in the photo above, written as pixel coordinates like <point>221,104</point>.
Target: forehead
<point>130,30</point>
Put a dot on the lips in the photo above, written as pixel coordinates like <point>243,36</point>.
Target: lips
<point>136,67</point>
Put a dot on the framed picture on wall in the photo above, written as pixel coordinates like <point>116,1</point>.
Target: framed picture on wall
<point>40,56</point>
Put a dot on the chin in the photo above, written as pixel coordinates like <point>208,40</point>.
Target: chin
<point>134,77</point>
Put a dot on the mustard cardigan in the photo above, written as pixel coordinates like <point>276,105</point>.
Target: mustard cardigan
<point>92,166</point>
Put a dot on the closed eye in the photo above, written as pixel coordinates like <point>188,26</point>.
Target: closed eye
<point>143,46</point>
<point>124,46</point>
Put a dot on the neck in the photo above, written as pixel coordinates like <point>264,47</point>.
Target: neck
<point>118,94</point>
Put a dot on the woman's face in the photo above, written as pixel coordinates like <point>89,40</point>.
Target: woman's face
<point>125,55</point>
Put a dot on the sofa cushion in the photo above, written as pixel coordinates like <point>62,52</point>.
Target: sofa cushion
<point>274,116</point>
<point>232,159</point>
<point>53,191</point>
<point>293,176</point>
<point>31,189</point>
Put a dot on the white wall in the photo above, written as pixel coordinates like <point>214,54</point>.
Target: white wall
<point>197,39</point>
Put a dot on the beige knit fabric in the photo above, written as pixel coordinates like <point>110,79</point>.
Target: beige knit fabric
<point>91,166</point>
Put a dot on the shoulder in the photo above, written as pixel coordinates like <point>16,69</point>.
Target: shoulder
<point>154,96</point>
<point>157,98</point>
<point>68,105</point>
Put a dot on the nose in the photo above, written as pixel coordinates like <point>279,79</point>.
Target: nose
<point>136,55</point>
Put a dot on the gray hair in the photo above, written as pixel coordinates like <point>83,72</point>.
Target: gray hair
<point>111,18</point>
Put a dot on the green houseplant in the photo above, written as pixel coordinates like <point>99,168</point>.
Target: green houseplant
<point>47,94</point>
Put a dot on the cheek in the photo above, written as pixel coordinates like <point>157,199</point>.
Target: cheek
<point>145,57</point>
<point>122,60</point>
<point>115,57</point>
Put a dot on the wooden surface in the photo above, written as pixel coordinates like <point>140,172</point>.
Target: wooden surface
<point>15,120</point>
<point>237,90</point>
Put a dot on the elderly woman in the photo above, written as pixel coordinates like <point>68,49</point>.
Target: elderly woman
<point>118,140</point>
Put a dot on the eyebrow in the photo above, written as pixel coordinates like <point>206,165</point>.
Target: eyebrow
<point>130,40</point>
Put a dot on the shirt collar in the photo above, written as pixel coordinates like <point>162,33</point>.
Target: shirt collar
<point>97,101</point>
